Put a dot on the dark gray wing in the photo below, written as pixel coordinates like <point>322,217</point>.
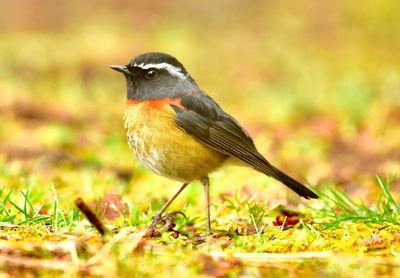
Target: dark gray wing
<point>201,117</point>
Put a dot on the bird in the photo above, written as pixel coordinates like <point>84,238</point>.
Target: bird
<point>178,131</point>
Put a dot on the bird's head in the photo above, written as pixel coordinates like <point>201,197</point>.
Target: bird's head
<point>156,75</point>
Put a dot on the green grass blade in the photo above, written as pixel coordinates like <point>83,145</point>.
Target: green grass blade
<point>385,188</point>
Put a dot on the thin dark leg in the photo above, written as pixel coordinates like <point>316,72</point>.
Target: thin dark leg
<point>166,205</point>
<point>206,183</point>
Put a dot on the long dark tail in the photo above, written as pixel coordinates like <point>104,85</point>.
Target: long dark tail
<point>262,165</point>
<point>292,184</point>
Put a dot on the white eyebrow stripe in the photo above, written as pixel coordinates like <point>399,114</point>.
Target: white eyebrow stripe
<point>175,71</point>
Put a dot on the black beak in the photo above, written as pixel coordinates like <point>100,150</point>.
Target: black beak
<point>122,69</point>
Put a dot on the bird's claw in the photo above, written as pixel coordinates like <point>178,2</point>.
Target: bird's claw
<point>167,221</point>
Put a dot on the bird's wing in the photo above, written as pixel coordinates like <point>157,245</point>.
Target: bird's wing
<point>202,118</point>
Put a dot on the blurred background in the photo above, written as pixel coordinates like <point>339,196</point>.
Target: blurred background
<point>316,83</point>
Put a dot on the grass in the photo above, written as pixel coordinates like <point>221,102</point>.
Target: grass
<point>338,208</point>
<point>250,231</point>
<point>248,237</point>
<point>332,209</point>
<point>23,212</point>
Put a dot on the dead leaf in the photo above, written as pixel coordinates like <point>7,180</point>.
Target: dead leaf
<point>287,218</point>
<point>110,207</point>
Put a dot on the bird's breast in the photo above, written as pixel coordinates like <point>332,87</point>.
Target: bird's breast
<point>162,146</point>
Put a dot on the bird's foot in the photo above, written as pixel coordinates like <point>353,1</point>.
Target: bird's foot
<point>163,224</point>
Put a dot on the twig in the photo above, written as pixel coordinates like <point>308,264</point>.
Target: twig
<point>90,216</point>
<point>255,224</point>
<point>284,222</point>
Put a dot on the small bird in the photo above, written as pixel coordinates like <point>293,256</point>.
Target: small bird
<point>178,131</point>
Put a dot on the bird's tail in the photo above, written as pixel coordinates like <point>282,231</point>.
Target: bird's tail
<point>274,172</point>
<point>259,163</point>
<point>296,186</point>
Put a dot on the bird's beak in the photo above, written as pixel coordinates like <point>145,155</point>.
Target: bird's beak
<point>122,69</point>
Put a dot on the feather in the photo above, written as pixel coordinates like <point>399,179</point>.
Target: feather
<point>202,118</point>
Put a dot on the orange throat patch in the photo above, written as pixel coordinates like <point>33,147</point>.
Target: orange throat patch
<point>155,103</point>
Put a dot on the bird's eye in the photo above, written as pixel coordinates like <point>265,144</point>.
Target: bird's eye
<point>151,74</point>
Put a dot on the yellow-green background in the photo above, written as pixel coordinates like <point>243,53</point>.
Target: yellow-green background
<point>317,83</point>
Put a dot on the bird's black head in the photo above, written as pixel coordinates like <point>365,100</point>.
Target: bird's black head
<point>156,75</point>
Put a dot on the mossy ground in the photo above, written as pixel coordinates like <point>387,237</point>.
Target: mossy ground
<point>317,86</point>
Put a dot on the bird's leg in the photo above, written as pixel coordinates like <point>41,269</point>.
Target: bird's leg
<point>206,183</point>
<point>165,206</point>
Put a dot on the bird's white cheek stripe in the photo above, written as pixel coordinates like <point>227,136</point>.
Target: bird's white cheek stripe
<point>175,71</point>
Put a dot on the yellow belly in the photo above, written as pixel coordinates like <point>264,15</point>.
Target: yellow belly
<point>161,146</point>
